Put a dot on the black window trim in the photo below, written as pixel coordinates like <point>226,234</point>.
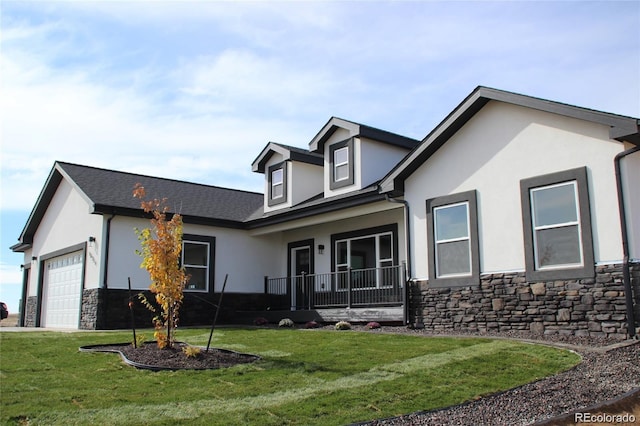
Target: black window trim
<point>333,184</point>
<point>587,270</point>
<point>279,200</point>
<point>212,249</point>
<point>473,279</point>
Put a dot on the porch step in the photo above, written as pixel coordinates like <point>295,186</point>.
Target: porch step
<point>383,314</point>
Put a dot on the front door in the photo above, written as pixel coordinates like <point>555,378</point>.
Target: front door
<point>301,267</point>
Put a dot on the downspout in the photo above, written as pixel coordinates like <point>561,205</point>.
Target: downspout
<point>406,229</point>
<point>102,319</point>
<point>107,238</point>
<point>407,242</point>
<point>626,275</point>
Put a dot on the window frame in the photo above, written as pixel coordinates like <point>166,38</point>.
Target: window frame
<point>586,269</point>
<point>272,201</point>
<point>211,243</point>
<point>349,180</point>
<point>376,232</point>
<point>454,280</point>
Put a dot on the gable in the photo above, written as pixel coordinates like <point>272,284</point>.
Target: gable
<point>110,192</point>
<point>285,153</point>
<point>620,128</point>
<point>499,147</point>
<point>349,129</point>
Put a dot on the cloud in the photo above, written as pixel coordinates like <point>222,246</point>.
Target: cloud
<point>72,115</point>
<point>9,274</point>
<point>195,91</point>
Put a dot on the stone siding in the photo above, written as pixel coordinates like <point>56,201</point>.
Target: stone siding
<point>31,312</point>
<point>593,307</point>
<point>90,314</point>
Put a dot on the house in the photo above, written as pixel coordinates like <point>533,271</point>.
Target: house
<point>514,213</point>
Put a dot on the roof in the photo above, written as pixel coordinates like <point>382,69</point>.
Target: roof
<point>110,192</point>
<point>288,152</point>
<point>361,130</point>
<point>317,204</point>
<point>621,128</point>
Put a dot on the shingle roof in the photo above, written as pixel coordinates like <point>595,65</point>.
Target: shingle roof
<point>288,152</point>
<point>110,192</point>
<point>357,129</point>
<point>108,189</point>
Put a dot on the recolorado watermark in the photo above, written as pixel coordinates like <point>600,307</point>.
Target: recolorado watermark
<point>604,418</point>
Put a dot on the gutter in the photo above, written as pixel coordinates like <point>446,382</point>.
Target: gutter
<point>626,275</point>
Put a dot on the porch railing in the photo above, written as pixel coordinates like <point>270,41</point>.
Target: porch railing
<point>348,288</point>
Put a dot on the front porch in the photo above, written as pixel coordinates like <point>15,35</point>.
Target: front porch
<point>356,295</point>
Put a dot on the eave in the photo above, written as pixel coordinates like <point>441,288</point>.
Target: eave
<point>621,128</point>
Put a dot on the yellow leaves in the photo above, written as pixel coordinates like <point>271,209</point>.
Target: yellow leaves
<point>139,191</point>
<point>161,249</point>
<point>161,339</point>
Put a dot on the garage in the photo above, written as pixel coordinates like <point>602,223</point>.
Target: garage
<point>62,291</point>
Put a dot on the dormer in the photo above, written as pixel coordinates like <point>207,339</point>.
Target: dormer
<point>283,165</point>
<point>356,156</point>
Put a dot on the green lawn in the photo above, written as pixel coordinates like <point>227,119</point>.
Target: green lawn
<point>306,377</point>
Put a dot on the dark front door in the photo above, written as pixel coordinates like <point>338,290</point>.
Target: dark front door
<point>301,268</point>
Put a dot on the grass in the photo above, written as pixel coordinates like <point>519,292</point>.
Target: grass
<point>305,378</point>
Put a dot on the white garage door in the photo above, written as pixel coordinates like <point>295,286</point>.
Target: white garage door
<point>62,291</point>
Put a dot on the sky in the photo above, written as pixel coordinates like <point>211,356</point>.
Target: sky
<point>194,90</point>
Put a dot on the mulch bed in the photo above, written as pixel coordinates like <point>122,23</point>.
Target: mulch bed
<point>149,356</point>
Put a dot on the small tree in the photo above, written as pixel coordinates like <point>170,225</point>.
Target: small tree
<point>161,249</point>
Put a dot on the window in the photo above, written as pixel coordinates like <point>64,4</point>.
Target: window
<point>452,234</point>
<point>341,164</point>
<point>341,161</point>
<point>557,226</point>
<point>277,184</point>
<point>197,260</point>
<point>452,240</point>
<point>366,252</point>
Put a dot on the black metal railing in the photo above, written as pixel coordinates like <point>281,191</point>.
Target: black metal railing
<point>347,288</point>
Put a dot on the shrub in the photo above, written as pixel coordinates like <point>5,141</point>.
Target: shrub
<point>260,321</point>
<point>312,324</point>
<point>191,351</point>
<point>343,325</point>
<point>286,322</point>
<point>140,338</point>
<point>372,325</point>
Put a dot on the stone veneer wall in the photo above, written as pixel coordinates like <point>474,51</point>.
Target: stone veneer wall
<point>31,309</point>
<point>503,302</point>
<point>91,317</point>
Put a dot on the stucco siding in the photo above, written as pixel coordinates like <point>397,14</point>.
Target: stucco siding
<point>501,145</point>
<point>67,223</point>
<point>306,181</point>
<point>630,170</point>
<point>244,258</point>
<point>322,235</point>
<point>379,158</point>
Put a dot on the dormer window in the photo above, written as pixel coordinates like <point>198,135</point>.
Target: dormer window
<point>341,160</point>
<point>277,184</point>
<point>341,164</point>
